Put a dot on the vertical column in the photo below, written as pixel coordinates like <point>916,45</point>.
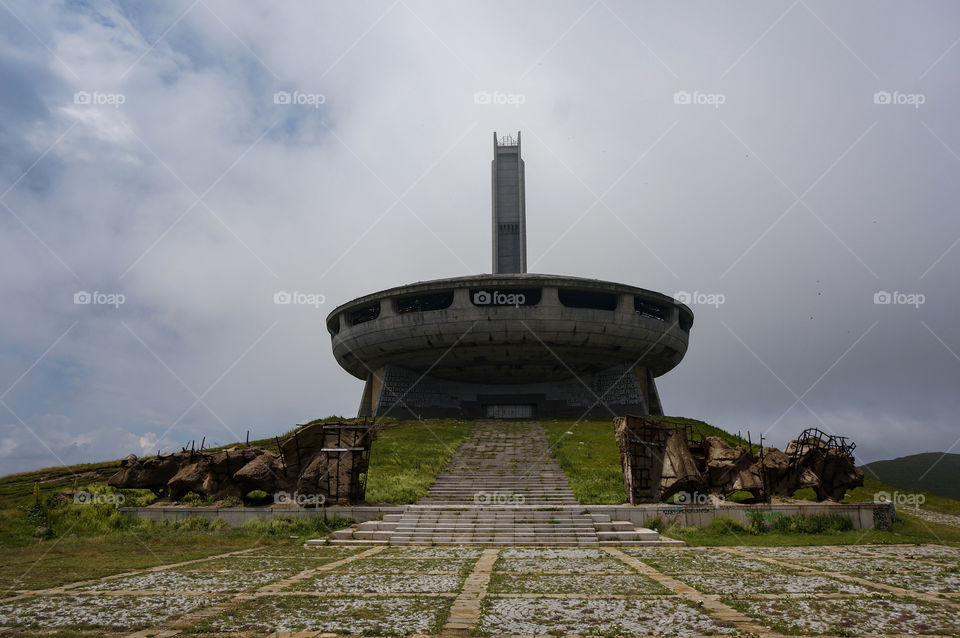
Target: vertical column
<point>509,206</point>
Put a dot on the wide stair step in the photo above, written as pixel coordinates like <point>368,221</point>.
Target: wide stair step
<point>488,495</point>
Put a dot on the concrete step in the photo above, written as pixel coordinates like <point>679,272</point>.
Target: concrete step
<point>614,526</point>
<point>372,535</point>
<point>638,534</point>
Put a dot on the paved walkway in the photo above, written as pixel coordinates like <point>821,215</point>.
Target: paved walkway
<point>294,591</point>
<point>502,463</point>
<point>502,487</point>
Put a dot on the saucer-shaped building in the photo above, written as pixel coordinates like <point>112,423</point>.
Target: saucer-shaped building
<point>510,344</point>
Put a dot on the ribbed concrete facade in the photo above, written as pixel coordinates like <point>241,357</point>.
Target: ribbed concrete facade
<point>568,347</point>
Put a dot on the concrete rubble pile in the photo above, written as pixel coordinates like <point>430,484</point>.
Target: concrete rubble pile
<point>323,462</point>
<point>660,461</point>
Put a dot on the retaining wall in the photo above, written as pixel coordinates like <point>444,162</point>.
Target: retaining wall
<point>863,515</point>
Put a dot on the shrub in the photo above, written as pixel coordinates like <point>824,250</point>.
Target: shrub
<point>655,523</point>
<point>230,501</point>
<point>192,498</point>
<point>811,524</point>
<point>725,525</point>
<point>283,526</point>
<point>194,523</point>
<point>758,522</point>
<point>257,497</point>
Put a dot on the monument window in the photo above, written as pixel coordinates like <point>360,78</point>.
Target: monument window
<point>650,309</point>
<point>367,313</point>
<point>423,303</point>
<point>587,299</point>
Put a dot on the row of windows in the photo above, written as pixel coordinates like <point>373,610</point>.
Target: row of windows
<point>569,297</point>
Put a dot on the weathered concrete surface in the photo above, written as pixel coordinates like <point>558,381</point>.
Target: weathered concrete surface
<point>322,460</point>
<point>660,461</point>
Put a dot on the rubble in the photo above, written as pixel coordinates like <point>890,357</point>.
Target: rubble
<point>660,460</point>
<point>329,460</point>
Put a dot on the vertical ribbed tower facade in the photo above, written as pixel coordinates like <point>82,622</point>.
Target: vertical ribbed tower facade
<point>509,206</point>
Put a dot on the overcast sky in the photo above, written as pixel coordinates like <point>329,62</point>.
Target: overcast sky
<point>785,161</point>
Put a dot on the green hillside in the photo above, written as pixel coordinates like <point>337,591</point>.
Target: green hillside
<point>589,456</point>
<point>932,472</point>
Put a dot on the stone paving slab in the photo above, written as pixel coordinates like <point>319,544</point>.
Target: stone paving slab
<point>461,591</point>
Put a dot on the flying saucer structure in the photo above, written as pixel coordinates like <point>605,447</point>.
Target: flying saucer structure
<point>510,344</point>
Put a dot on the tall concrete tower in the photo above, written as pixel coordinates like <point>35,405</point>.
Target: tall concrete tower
<point>509,207</point>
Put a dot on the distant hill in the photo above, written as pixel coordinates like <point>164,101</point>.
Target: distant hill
<point>940,477</point>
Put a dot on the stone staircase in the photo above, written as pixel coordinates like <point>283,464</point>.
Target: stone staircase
<point>502,464</point>
<point>502,487</point>
<point>487,526</point>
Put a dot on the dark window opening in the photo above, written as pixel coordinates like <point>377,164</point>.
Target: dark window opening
<point>422,303</point>
<point>367,313</point>
<point>509,228</point>
<point>587,299</point>
<point>650,309</point>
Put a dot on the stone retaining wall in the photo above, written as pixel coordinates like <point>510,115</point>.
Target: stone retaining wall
<point>862,514</point>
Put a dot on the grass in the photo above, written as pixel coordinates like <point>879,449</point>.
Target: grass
<point>49,540</point>
<point>407,456</point>
<point>872,486</point>
<point>929,471</point>
<point>590,457</point>
<point>906,530</point>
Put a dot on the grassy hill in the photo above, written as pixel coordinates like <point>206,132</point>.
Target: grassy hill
<point>404,462</point>
<point>932,472</point>
<point>589,456</point>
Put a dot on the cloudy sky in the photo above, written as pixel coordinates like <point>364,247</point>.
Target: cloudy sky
<point>785,164</point>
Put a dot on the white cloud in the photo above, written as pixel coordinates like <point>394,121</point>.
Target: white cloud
<point>287,204</point>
